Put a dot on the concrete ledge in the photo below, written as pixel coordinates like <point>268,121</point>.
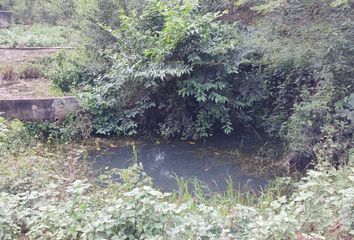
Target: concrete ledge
<point>38,109</point>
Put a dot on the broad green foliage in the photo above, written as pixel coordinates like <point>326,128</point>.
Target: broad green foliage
<point>189,69</point>
<point>176,70</point>
<point>321,207</point>
<point>183,69</point>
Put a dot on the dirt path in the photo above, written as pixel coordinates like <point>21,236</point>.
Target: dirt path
<point>12,85</point>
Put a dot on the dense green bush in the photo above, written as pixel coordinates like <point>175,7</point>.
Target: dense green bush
<point>70,69</point>
<point>175,54</point>
<point>185,69</point>
<point>315,56</point>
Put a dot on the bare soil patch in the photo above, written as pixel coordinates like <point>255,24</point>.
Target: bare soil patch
<point>12,86</point>
<point>12,56</point>
<point>25,88</point>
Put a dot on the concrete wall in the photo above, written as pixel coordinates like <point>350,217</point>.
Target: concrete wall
<point>38,110</point>
<point>5,19</point>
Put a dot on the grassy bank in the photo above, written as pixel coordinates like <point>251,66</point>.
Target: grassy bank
<point>38,35</point>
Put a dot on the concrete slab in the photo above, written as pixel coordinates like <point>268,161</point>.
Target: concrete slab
<point>38,109</point>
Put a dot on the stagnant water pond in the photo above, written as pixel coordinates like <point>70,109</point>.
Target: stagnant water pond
<point>214,163</point>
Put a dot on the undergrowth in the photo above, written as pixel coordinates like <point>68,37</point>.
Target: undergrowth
<point>46,194</point>
<point>38,35</point>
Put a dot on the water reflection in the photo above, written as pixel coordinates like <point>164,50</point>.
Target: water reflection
<point>164,162</point>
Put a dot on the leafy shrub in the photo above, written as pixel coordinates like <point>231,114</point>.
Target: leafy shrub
<point>301,217</point>
<point>71,69</point>
<point>273,67</point>
<point>174,53</point>
<point>73,128</point>
<point>8,229</point>
<point>183,69</point>
<point>304,77</point>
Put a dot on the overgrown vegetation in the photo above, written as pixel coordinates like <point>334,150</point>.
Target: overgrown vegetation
<point>189,69</point>
<point>44,11</point>
<point>26,71</point>
<point>45,195</point>
<point>38,35</point>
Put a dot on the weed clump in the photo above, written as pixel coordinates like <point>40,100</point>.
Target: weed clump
<point>30,71</point>
<point>7,73</point>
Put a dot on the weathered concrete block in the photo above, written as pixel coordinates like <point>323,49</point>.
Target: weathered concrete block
<point>5,19</point>
<point>38,110</point>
